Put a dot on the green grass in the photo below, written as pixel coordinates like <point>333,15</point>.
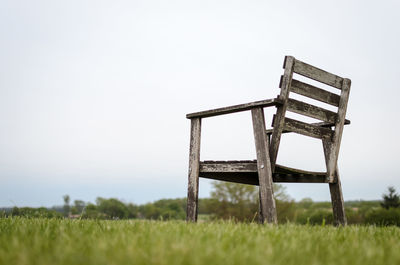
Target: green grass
<point>57,241</point>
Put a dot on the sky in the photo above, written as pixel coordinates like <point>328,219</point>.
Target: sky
<point>93,94</point>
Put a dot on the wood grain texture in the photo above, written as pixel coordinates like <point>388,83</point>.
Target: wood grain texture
<point>335,188</point>
<point>318,124</point>
<point>267,200</point>
<point>246,172</point>
<point>279,118</point>
<point>242,166</point>
<point>329,124</point>
<point>313,92</point>
<point>194,170</point>
<point>307,129</point>
<point>317,74</point>
<point>337,136</point>
<point>235,108</point>
<point>251,178</point>
<point>264,171</point>
<point>311,111</point>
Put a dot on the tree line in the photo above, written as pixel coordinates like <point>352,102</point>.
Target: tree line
<point>227,201</point>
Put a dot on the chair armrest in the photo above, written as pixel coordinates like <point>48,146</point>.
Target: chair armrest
<point>235,108</point>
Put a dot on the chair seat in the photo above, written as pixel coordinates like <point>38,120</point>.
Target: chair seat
<point>245,172</point>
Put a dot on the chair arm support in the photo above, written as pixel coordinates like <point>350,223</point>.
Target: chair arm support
<point>235,108</point>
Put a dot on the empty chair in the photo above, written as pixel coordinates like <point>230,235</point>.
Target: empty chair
<point>264,171</point>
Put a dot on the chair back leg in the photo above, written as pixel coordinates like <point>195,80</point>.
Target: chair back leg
<point>339,215</point>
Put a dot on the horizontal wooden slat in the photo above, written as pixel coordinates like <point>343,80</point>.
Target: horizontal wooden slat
<point>311,111</point>
<point>284,178</point>
<point>320,124</point>
<point>314,92</point>
<point>242,166</point>
<point>241,178</point>
<point>229,166</point>
<point>287,174</point>
<point>307,129</point>
<point>235,108</point>
<point>245,172</point>
<point>294,171</point>
<point>329,124</point>
<point>317,74</point>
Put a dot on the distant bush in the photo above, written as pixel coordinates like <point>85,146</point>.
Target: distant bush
<point>91,212</point>
<point>41,212</point>
<point>355,216</point>
<point>112,208</point>
<point>166,209</point>
<point>383,217</point>
<point>286,211</point>
<point>315,217</point>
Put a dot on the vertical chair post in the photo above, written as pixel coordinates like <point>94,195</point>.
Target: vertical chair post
<point>285,85</point>
<point>194,168</point>
<point>267,201</point>
<point>335,189</point>
<point>336,139</point>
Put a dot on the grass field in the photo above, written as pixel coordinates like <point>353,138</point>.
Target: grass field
<point>55,241</point>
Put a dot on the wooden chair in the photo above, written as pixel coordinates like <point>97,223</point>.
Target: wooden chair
<point>264,171</point>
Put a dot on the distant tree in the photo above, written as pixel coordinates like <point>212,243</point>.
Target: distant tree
<point>239,201</point>
<point>91,212</point>
<point>171,208</point>
<point>132,210</point>
<point>165,209</point>
<point>66,207</point>
<point>79,206</point>
<point>206,205</point>
<point>305,203</point>
<point>15,211</point>
<point>112,208</point>
<point>280,193</point>
<point>234,201</point>
<point>233,192</point>
<point>390,199</point>
<point>149,211</point>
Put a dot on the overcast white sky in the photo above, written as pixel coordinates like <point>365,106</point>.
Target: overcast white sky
<point>93,94</point>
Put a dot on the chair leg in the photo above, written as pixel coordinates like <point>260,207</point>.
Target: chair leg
<point>267,201</point>
<point>339,215</point>
<point>194,167</point>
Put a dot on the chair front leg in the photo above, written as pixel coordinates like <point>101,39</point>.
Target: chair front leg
<point>194,170</point>
<point>267,201</point>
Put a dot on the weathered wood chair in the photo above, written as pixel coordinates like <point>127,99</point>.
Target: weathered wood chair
<point>264,171</point>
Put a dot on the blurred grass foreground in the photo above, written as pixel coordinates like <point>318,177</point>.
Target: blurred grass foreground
<point>64,241</point>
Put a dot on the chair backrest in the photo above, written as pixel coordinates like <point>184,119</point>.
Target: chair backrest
<point>322,130</point>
